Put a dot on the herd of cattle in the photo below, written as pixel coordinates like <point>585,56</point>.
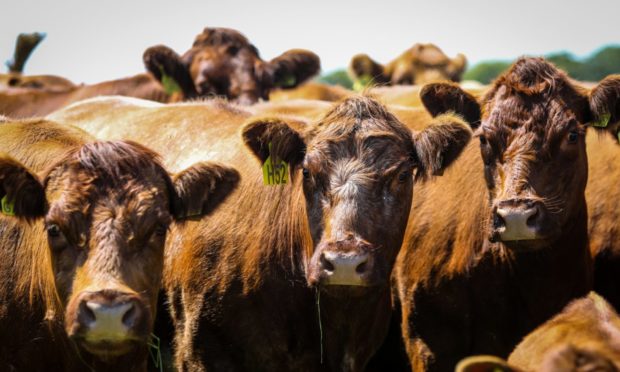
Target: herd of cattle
<point>284,225</point>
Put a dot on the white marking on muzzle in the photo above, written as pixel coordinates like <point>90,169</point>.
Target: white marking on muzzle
<point>344,268</point>
<point>515,224</point>
<point>108,324</point>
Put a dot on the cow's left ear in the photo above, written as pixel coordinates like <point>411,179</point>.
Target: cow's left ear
<point>275,137</point>
<point>604,103</point>
<point>484,363</point>
<point>293,67</point>
<point>199,189</point>
<point>167,67</point>
<point>21,193</point>
<point>439,144</point>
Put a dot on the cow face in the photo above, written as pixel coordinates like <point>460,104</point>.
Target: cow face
<point>421,64</point>
<point>357,167</point>
<point>532,143</point>
<point>222,62</point>
<point>106,209</point>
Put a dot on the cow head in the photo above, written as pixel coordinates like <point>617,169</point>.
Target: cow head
<point>105,209</point>
<point>222,62</point>
<point>356,168</point>
<point>532,143</point>
<point>421,64</point>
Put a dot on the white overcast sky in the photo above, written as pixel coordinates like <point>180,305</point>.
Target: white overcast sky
<point>90,41</point>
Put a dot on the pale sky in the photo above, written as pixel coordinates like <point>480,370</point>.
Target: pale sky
<point>91,41</point>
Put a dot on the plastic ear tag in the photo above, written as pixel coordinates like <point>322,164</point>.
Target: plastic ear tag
<point>361,83</point>
<point>7,206</point>
<point>287,81</point>
<point>274,172</point>
<point>170,85</point>
<point>602,123</point>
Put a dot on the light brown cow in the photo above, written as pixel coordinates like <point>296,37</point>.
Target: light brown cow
<point>297,278</point>
<point>499,243</point>
<point>81,245</point>
<point>585,336</point>
<point>420,64</point>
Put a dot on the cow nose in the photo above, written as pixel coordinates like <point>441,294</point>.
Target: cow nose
<point>339,266</point>
<point>105,317</point>
<point>517,219</point>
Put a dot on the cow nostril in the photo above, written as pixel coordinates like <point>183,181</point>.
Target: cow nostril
<point>130,316</point>
<point>325,264</point>
<point>531,220</point>
<point>498,221</point>
<point>87,314</point>
<point>361,268</point>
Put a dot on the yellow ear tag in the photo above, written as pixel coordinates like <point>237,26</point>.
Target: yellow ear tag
<point>7,207</point>
<point>288,81</point>
<point>603,122</point>
<point>361,83</point>
<point>274,172</point>
<point>170,85</point>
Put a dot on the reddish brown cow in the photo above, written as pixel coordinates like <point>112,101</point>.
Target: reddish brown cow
<point>15,82</point>
<point>82,250</point>
<point>479,270</point>
<point>297,277</point>
<point>222,62</point>
<point>420,64</point>
<point>585,336</point>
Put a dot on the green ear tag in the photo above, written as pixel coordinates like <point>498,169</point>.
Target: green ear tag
<point>603,122</point>
<point>288,81</point>
<point>361,83</point>
<point>170,85</point>
<point>274,172</point>
<point>7,207</point>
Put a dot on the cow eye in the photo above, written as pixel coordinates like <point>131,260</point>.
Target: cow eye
<point>306,173</point>
<point>233,50</point>
<point>404,176</point>
<point>53,231</point>
<point>483,140</point>
<point>573,136</point>
<point>161,230</point>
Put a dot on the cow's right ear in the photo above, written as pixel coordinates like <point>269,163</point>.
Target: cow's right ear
<point>167,67</point>
<point>364,71</point>
<point>199,189</point>
<point>275,137</point>
<point>440,98</point>
<point>484,363</point>
<point>21,193</point>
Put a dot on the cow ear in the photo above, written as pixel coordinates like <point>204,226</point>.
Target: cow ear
<point>21,193</point>
<point>457,67</point>
<point>440,98</point>
<point>274,137</point>
<point>293,67</point>
<point>199,189</point>
<point>605,104</point>
<point>439,144</point>
<point>167,67</point>
<point>484,363</point>
<point>364,71</point>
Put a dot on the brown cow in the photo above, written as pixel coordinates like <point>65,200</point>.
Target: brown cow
<point>479,270</point>
<point>50,83</point>
<point>420,64</point>
<point>585,336</point>
<point>297,276</point>
<point>222,62</point>
<point>82,248</point>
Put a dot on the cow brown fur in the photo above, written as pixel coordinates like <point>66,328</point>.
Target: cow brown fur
<point>90,220</point>
<point>463,291</point>
<point>245,295</point>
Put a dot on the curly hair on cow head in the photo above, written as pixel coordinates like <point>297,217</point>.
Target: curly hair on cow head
<point>215,36</point>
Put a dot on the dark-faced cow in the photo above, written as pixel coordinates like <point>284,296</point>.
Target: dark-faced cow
<point>82,245</point>
<point>585,336</point>
<point>295,276</point>
<point>499,244</point>
<point>222,62</point>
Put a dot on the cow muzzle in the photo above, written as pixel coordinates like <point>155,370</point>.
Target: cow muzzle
<point>108,322</point>
<point>348,262</point>
<point>518,220</point>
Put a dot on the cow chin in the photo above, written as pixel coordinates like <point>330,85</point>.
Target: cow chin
<point>107,350</point>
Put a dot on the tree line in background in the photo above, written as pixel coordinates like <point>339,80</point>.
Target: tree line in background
<point>599,64</point>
